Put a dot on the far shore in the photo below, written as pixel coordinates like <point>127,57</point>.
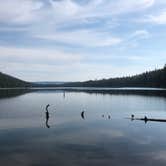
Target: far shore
<point>90,88</point>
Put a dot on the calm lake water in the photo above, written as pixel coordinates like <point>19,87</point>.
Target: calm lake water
<point>103,135</point>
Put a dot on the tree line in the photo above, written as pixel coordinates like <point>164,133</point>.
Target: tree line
<point>156,78</point>
<point>7,81</point>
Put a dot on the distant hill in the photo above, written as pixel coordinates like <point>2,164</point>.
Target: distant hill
<point>7,81</point>
<point>156,78</point>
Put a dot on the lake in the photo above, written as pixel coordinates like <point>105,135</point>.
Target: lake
<point>83,127</point>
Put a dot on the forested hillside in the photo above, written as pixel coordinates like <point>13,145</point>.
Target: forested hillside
<point>156,78</point>
<point>7,81</point>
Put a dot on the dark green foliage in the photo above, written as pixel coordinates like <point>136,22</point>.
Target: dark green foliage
<point>7,81</point>
<point>156,78</point>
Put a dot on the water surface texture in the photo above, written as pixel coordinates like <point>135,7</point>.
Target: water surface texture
<point>81,128</point>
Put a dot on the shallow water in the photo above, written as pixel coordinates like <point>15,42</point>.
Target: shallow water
<point>72,139</point>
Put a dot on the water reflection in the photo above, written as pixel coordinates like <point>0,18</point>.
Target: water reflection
<point>145,119</point>
<point>6,93</point>
<point>64,94</point>
<point>99,141</point>
<point>82,115</point>
<point>109,116</point>
<point>132,117</point>
<point>47,116</point>
<point>98,91</point>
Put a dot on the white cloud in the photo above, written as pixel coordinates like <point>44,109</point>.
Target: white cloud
<point>37,56</point>
<point>68,12</point>
<point>19,11</point>
<point>36,72</point>
<point>128,6</point>
<point>71,12</point>
<point>132,40</point>
<point>13,29</point>
<point>157,19</point>
<point>83,38</point>
<point>65,8</point>
<point>140,34</point>
<point>45,64</point>
<point>37,64</point>
<point>68,9</point>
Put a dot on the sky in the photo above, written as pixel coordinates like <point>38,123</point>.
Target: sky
<point>78,40</point>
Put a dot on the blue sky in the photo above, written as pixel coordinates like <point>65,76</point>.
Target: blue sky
<point>71,40</point>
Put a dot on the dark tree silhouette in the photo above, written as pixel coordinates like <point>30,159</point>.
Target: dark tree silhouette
<point>156,78</point>
<point>9,81</point>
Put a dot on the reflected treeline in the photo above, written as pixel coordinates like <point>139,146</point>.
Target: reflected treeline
<point>7,93</point>
<point>98,91</point>
<point>64,94</point>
